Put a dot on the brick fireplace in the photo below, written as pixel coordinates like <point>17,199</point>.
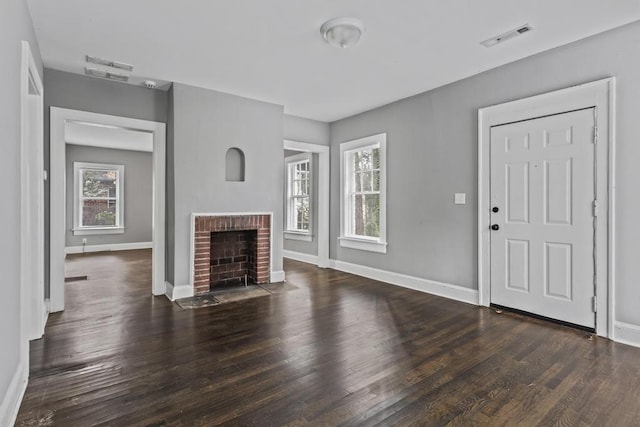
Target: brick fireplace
<point>226,247</point>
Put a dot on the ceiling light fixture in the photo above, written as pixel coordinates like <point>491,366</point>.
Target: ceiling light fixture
<point>342,32</point>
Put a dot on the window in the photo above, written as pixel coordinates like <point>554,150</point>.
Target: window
<point>298,210</point>
<point>98,198</point>
<point>363,194</point>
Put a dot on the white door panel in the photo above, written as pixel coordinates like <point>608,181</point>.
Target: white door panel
<point>542,183</point>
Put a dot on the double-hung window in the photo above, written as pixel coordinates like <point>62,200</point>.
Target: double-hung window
<point>298,210</point>
<point>363,194</point>
<point>98,198</point>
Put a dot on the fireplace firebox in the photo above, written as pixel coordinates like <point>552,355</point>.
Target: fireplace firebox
<point>228,247</point>
<point>233,257</point>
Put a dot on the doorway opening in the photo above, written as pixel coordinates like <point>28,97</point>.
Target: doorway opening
<point>108,203</point>
<point>318,159</point>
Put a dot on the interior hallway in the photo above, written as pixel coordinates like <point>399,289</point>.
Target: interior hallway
<point>339,350</point>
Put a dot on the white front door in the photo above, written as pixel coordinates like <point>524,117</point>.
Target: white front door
<point>542,238</point>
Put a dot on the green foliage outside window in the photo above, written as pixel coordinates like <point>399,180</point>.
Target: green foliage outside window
<point>99,197</point>
<point>366,194</point>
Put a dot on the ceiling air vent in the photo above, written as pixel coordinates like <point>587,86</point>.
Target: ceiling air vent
<point>106,74</point>
<point>109,63</point>
<point>507,36</point>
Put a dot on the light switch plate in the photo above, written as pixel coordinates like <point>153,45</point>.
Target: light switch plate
<point>460,198</point>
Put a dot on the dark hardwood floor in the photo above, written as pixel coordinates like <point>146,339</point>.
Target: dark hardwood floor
<point>339,350</point>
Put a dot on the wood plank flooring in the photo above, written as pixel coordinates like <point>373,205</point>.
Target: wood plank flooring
<point>339,350</point>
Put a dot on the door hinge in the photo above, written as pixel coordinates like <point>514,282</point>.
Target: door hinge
<point>594,207</point>
<point>595,134</point>
<point>594,304</point>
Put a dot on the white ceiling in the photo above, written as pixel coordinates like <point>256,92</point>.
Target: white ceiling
<point>272,50</point>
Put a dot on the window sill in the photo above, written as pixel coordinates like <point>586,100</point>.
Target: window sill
<point>298,235</point>
<point>363,244</point>
<point>97,230</point>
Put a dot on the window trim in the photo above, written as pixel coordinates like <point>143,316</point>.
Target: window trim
<point>346,239</point>
<point>79,230</point>
<point>289,232</point>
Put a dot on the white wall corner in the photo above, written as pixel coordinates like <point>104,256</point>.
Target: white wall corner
<point>10,404</point>
<point>441,289</point>
<point>46,309</point>
<point>626,333</point>
<point>299,256</point>
<point>276,276</point>
<point>177,292</point>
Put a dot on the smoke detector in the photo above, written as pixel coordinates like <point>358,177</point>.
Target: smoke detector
<point>150,84</point>
<point>508,35</point>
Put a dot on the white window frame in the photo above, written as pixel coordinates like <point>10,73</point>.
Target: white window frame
<point>347,238</point>
<point>290,231</point>
<point>79,230</point>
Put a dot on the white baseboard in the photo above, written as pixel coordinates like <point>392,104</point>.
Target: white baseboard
<point>106,248</point>
<point>11,401</point>
<point>276,276</point>
<point>177,292</point>
<point>446,290</point>
<point>299,256</point>
<point>626,333</point>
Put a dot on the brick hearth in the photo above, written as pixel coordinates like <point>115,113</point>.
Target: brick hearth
<point>206,225</point>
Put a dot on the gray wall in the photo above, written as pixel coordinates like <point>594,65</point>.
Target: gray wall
<point>205,124</point>
<point>311,247</point>
<point>299,129</point>
<point>432,153</point>
<point>16,25</point>
<point>78,92</point>
<point>138,193</point>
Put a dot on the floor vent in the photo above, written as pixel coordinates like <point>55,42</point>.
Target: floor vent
<point>75,279</point>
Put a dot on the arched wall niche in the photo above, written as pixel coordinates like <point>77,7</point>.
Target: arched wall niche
<point>234,165</point>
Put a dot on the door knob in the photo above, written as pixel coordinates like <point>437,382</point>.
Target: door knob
<point>495,227</point>
<point>495,209</point>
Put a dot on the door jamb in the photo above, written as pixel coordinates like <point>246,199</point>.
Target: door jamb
<point>33,307</point>
<point>601,95</point>
<point>59,116</point>
<point>323,194</point>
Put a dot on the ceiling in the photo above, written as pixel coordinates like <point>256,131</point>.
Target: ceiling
<point>273,51</point>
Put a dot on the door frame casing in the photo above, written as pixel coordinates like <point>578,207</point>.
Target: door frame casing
<point>33,305</point>
<point>601,95</point>
<point>57,228</point>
